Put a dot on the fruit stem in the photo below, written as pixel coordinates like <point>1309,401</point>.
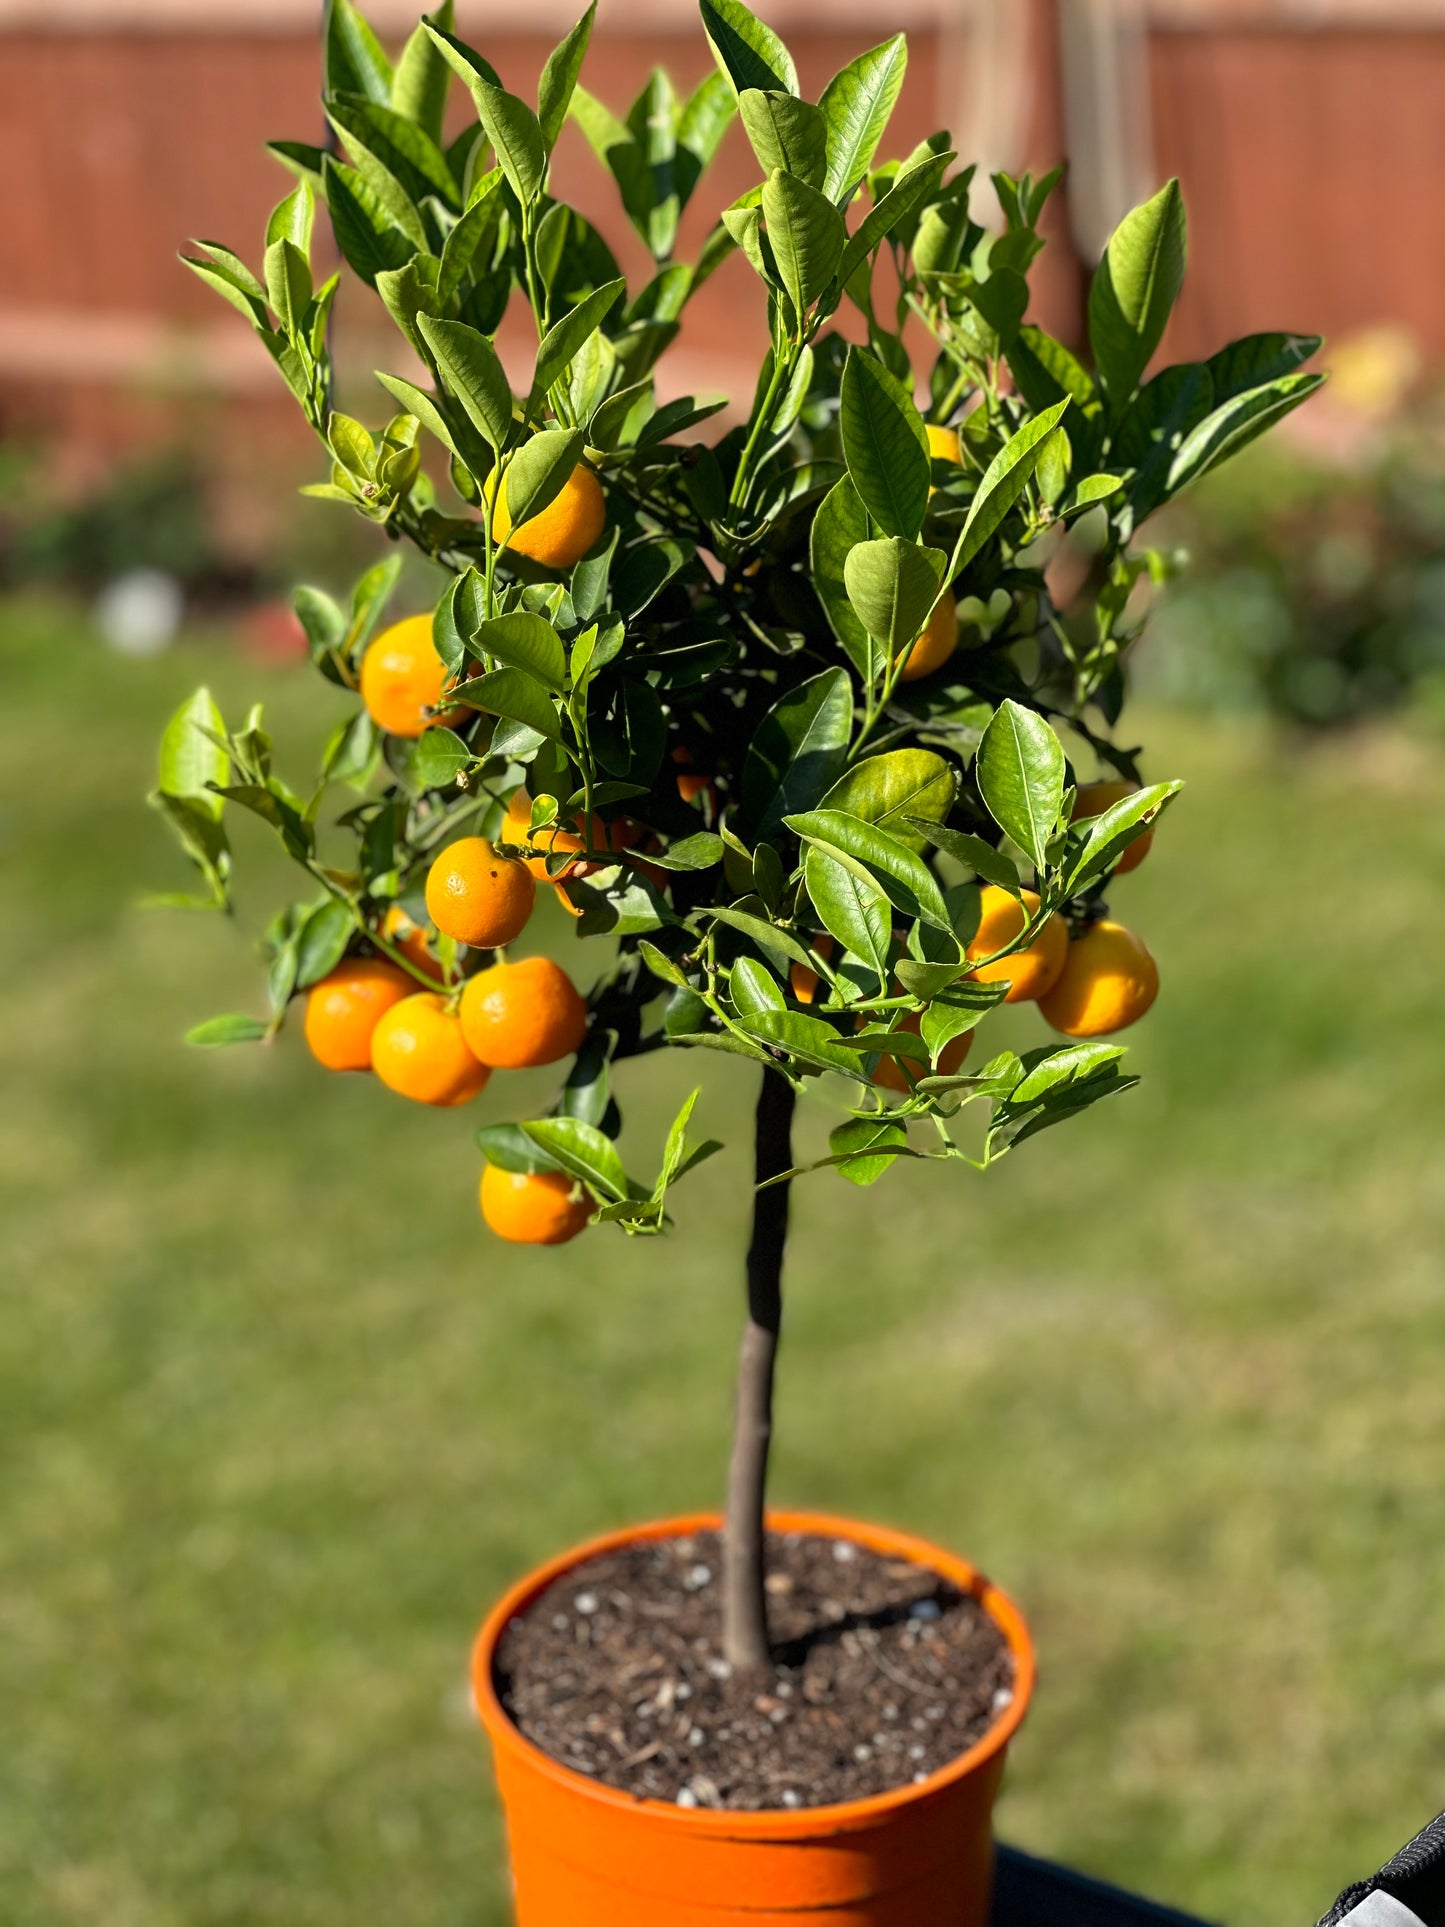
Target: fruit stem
<point>745,1611</point>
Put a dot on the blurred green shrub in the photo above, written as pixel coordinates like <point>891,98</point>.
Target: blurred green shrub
<point>1317,593</point>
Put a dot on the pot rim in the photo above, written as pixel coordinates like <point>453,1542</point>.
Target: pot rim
<point>767,1823</point>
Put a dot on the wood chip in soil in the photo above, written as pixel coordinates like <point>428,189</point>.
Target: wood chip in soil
<point>884,1673</point>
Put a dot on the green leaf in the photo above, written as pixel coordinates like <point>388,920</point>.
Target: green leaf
<point>191,760</point>
<point>539,470</point>
<point>1134,289</point>
<point>583,1151</point>
<point>528,642</point>
<point>440,757</point>
<point>852,908</point>
<point>807,236</point>
<point>419,85</point>
<point>1256,359</point>
<point>242,290</point>
<point>516,135</point>
<point>893,584</point>
<point>369,239</point>
<point>1097,843</point>
<point>903,874</point>
<point>839,525</point>
<point>352,59</point>
<point>409,155</point>
<point>511,692</point>
<point>291,219</point>
<point>660,965</point>
<point>219,1031</point>
<point>865,1147</point>
<point>471,368</point>
<point>322,942</point>
<point>980,857</point>
<point>1229,428</point>
<point>913,185</point>
<point>563,341</point>
<point>700,851</point>
<point>1049,1069</point>
<point>1020,774</point>
<point>754,989</point>
<point>416,401</point>
<point>857,104</point>
<point>510,1149</point>
<point>767,935</point>
<point>890,789</point>
<point>749,53</point>
<point>884,445</point>
<point>559,77</point>
<point>1004,480</point>
<point>808,1039</point>
<point>786,133</point>
<point>797,750</point>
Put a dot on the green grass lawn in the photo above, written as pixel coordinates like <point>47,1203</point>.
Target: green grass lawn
<point>278,1418</point>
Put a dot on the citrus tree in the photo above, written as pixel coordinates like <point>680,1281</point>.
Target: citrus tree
<point>784,718</point>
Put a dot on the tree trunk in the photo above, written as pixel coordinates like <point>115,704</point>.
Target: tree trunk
<point>745,1611</point>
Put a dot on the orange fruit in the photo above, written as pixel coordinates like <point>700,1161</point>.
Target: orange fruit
<point>516,1015</point>
<point>1093,799</point>
<point>411,940</point>
<point>533,1207</point>
<point>1028,973</point>
<point>937,643</point>
<point>890,1074</point>
<point>477,896</point>
<point>565,530</point>
<point>943,444</point>
<point>402,677</point>
<point>1108,982</point>
<point>345,1007</point>
<point>418,1049</point>
<point>803,978</point>
<point>690,785</point>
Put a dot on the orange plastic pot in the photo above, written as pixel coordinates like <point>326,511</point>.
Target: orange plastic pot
<point>585,1855</point>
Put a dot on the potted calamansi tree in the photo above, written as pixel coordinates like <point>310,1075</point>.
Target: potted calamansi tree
<point>793,725</point>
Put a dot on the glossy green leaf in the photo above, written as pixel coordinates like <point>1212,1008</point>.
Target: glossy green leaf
<point>191,760</point>
<point>408,154</point>
<point>902,873</point>
<point>539,471</point>
<point>865,1147</point>
<point>884,445</point>
<point>216,1032</point>
<point>913,185</point>
<point>1229,428</point>
<point>749,53</point>
<point>767,935</point>
<point>806,233</point>
<point>1097,842</point>
<point>510,1149</point>
<point>440,757</point>
<point>528,642</point>
<point>581,1150</point>
<point>419,85</point>
<point>753,989</point>
<point>563,341</point>
<point>980,857</point>
<point>786,133</point>
<point>1004,480</point>
<point>1134,289</point>
<point>857,104</point>
<point>368,237</point>
<point>840,523</point>
<point>322,942</point>
<point>798,750</point>
<point>808,1039</point>
<point>559,77</point>
<point>472,370</point>
<point>353,61</point>
<point>893,584</point>
<point>511,692</point>
<point>891,788</point>
<point>1020,775</point>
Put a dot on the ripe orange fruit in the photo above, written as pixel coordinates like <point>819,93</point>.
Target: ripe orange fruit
<point>402,677</point>
<point>943,445</point>
<point>1108,982</point>
<point>890,1074</point>
<point>803,978</point>
<point>516,1015</point>
<point>937,643</point>
<point>477,896</point>
<point>690,785</point>
<point>565,530</point>
<point>418,1049</point>
<point>411,940</point>
<point>533,1207</point>
<point>1093,799</point>
<point>345,1007</point>
<point>1028,973</point>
